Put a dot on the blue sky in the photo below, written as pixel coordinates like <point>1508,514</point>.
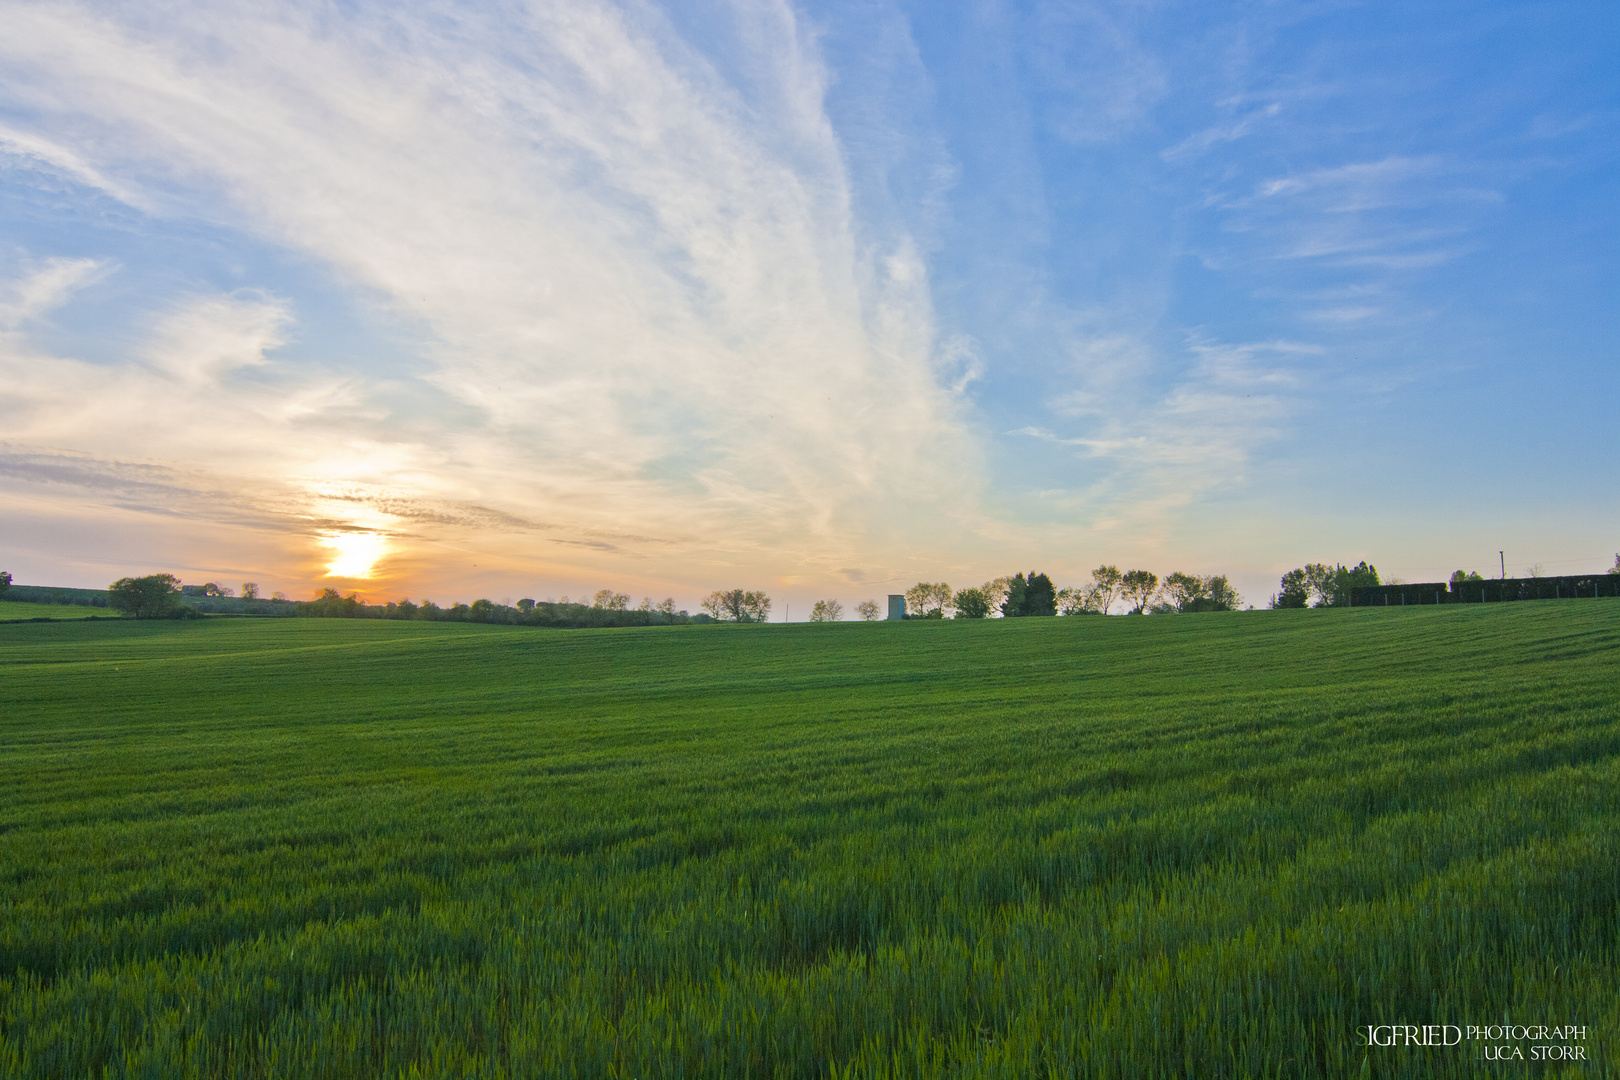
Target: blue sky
<point>826,298</point>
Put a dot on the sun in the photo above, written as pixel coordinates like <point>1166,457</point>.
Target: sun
<point>354,555</point>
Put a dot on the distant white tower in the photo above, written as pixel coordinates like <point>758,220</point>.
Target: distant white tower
<point>897,606</point>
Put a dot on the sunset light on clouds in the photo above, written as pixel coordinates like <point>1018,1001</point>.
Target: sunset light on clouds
<point>532,299</point>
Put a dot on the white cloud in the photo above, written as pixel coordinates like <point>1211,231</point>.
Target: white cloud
<point>1363,185</point>
<point>1092,59</point>
<point>44,288</point>
<point>1171,448</point>
<point>1197,143</point>
<point>643,280</point>
<point>34,150</point>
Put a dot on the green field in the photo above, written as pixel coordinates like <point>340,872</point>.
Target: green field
<point>11,610</point>
<point>1204,845</point>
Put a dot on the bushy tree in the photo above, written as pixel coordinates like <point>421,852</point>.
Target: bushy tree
<point>738,605</point>
<point>1330,585</point>
<point>1460,576</point>
<point>1321,585</point>
<point>1295,591</point>
<point>526,605</point>
<point>250,590</point>
<point>868,610</point>
<point>1034,595</point>
<point>1012,606</point>
<point>156,596</point>
<point>1189,592</point>
<point>1319,580</point>
<point>608,600</point>
<point>5,581</point>
<point>827,611</point>
<point>1360,576</point>
<point>1182,591</point>
<point>928,600</point>
<point>1615,569</point>
<point>1137,588</point>
<point>1222,596</point>
<point>1040,595</point>
<point>972,604</point>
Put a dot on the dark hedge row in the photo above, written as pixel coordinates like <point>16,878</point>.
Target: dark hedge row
<point>1571,587</point>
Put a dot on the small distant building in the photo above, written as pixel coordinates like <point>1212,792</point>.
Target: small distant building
<point>897,606</point>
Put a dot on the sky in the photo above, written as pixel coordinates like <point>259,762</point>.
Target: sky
<point>532,299</point>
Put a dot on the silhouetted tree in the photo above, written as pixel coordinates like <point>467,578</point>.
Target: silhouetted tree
<point>868,610</point>
<point>5,581</point>
<point>250,590</point>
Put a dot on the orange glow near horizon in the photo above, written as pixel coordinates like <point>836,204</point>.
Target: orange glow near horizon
<point>354,555</point>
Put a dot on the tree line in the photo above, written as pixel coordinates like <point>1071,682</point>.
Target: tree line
<point>162,596</point>
<point>1138,592</point>
<point>1110,591</point>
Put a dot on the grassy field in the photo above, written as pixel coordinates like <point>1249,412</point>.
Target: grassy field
<point>1205,846</point>
<point>10,610</point>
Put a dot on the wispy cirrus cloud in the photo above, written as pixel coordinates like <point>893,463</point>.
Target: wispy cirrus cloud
<point>641,281</point>
<point>1199,437</point>
<point>44,287</point>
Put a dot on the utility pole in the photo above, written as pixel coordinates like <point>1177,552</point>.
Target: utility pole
<point>1503,557</point>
